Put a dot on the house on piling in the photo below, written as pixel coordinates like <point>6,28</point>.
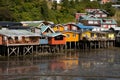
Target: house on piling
<point>49,38</point>
<point>92,35</point>
<point>18,41</point>
<point>91,20</point>
<point>56,40</point>
<point>72,31</point>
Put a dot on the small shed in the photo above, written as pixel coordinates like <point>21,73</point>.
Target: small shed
<point>18,37</point>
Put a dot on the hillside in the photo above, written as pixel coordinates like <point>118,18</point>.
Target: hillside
<point>28,10</point>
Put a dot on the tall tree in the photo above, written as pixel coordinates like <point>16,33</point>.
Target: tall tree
<point>54,6</point>
<point>5,14</point>
<point>108,7</point>
<point>65,4</point>
<point>44,10</point>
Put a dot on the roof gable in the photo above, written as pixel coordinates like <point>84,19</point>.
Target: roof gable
<point>44,28</point>
<point>99,11</point>
<point>88,17</point>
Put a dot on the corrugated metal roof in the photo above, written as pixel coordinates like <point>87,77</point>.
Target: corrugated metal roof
<point>17,33</point>
<point>72,31</point>
<point>36,23</point>
<point>45,27</point>
<point>89,17</point>
<point>112,21</point>
<point>7,23</point>
<point>54,34</point>
<point>84,27</point>
<point>33,24</point>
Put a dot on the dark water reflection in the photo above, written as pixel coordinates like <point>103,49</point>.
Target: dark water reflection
<point>102,64</point>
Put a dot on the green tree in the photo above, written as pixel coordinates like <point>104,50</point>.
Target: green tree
<point>108,7</point>
<point>5,14</point>
<point>44,10</point>
<point>54,6</point>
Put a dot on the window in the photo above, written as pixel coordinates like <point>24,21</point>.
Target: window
<point>92,34</point>
<point>97,15</point>
<point>74,35</point>
<point>109,26</point>
<point>90,22</point>
<point>68,35</point>
<point>104,26</point>
<point>113,26</point>
<point>19,38</point>
<point>59,38</point>
<point>95,22</point>
<point>108,21</point>
<point>42,37</point>
<point>104,15</point>
<point>66,28</point>
<point>74,28</point>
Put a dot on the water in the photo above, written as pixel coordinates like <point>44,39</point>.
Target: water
<point>100,64</point>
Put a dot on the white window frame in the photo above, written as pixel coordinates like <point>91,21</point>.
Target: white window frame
<point>90,22</point>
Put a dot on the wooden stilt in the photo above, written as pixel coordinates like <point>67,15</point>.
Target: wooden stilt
<point>95,44</point>
<point>18,51</point>
<point>85,45</point>
<point>75,45</point>
<point>12,50</point>
<point>27,50</point>
<point>36,49</point>
<point>7,51</point>
<point>70,45</point>
<point>89,45</point>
